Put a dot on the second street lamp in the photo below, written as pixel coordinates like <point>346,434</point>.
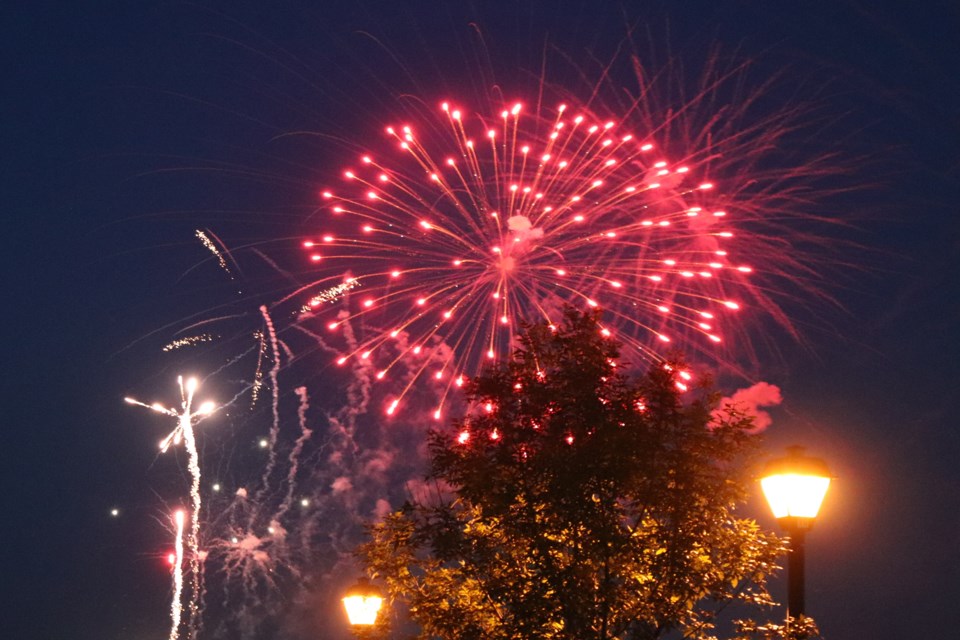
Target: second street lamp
<point>362,603</point>
<point>795,486</point>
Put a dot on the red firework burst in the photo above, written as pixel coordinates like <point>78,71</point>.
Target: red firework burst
<point>465,226</point>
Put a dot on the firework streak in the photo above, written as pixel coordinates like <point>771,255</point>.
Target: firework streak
<point>184,431</point>
<point>176,606</point>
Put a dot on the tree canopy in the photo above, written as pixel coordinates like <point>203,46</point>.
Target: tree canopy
<point>574,501</point>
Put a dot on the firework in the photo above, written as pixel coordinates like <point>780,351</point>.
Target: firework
<point>440,236</point>
<point>176,606</point>
<point>184,431</point>
<point>222,255</point>
<point>330,295</point>
<point>189,341</point>
<point>464,226</point>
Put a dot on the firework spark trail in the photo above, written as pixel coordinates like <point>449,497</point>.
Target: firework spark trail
<point>257,384</point>
<point>482,222</point>
<point>294,458</point>
<point>330,295</point>
<point>271,335</point>
<point>176,604</point>
<point>184,431</point>
<point>204,237</point>
<point>197,627</point>
<point>193,540</point>
<point>189,341</point>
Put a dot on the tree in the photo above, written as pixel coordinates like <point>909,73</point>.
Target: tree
<point>575,502</point>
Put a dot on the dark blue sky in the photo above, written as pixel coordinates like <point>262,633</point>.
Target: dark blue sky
<point>119,122</point>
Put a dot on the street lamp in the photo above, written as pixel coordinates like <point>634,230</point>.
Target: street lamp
<point>362,602</point>
<point>794,487</point>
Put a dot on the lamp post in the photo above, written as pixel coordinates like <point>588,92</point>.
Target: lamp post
<point>795,486</point>
<point>362,603</point>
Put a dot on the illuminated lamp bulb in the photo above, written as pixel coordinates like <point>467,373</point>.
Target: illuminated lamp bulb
<point>795,486</point>
<point>362,603</point>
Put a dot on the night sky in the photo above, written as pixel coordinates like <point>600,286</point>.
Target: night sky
<point>129,125</point>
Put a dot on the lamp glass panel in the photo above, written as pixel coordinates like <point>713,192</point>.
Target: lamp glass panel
<point>362,610</point>
<point>793,494</point>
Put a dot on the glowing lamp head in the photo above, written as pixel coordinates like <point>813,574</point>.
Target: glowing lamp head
<point>362,603</point>
<point>794,487</point>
